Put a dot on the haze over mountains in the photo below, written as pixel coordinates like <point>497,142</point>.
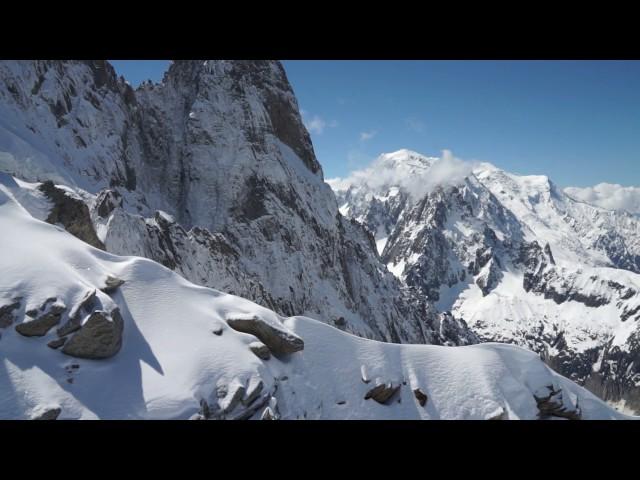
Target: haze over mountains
<point>211,174</point>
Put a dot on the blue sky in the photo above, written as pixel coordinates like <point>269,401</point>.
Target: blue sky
<point>576,121</point>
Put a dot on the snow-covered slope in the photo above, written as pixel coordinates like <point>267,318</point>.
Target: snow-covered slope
<point>166,348</point>
<point>211,173</point>
<point>520,261</point>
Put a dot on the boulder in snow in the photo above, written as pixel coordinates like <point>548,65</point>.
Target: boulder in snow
<point>72,213</point>
<point>420,396</point>
<point>552,403</point>
<point>111,284</point>
<point>217,331</point>
<point>42,324</point>
<point>261,350</point>
<point>98,338</point>
<point>279,340</point>
<point>382,392</point>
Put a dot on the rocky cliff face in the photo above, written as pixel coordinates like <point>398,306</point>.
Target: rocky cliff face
<point>520,261</point>
<point>212,173</point>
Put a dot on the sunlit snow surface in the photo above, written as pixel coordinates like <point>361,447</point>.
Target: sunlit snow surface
<point>170,359</point>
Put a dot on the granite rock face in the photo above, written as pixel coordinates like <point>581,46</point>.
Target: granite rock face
<point>212,173</point>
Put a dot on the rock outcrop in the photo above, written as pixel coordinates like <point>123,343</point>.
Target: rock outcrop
<point>49,414</point>
<point>42,323</point>
<point>8,312</point>
<point>383,392</point>
<point>99,337</point>
<point>277,338</point>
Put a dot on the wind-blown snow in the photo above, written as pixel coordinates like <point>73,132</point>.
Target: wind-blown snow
<point>170,360</point>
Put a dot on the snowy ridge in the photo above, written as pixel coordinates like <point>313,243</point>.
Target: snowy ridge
<point>180,356</point>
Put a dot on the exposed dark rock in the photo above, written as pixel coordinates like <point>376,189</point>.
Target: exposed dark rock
<point>547,251</point>
<point>279,340</point>
<point>43,323</point>
<point>340,322</point>
<point>261,350</point>
<point>107,201</point>
<point>7,312</point>
<point>72,325</point>
<point>57,343</point>
<point>553,404</point>
<point>85,305</point>
<point>254,389</point>
<point>230,401</point>
<point>420,396</point>
<point>490,276</point>
<point>50,414</point>
<point>33,313</point>
<point>382,392</point>
<point>71,213</point>
<point>217,331</point>
<point>98,338</point>
<point>205,411</point>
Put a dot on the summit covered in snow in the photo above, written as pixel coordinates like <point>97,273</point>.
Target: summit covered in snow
<point>518,259</point>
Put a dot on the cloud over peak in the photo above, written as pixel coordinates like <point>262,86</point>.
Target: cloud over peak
<point>414,173</point>
<point>608,195</point>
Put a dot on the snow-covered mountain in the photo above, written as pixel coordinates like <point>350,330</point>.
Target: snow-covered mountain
<point>111,197</point>
<point>211,173</point>
<point>86,334</point>
<point>517,258</point>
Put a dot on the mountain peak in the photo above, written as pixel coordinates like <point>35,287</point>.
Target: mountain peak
<point>406,156</point>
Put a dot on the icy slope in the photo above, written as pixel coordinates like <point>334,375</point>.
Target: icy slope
<point>182,354</point>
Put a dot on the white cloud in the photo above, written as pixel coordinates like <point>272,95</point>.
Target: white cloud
<point>338,184</point>
<point>608,195</point>
<point>416,125</point>
<point>315,123</point>
<point>364,136</point>
<point>393,170</point>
